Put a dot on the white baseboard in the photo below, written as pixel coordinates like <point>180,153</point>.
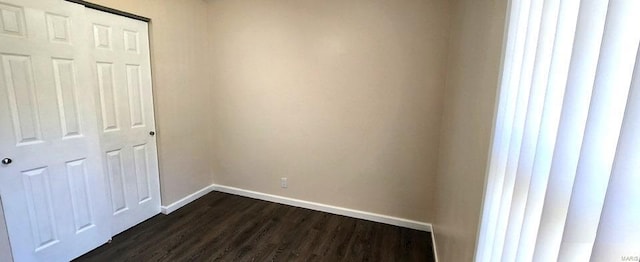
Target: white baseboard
<point>186,200</point>
<point>396,221</point>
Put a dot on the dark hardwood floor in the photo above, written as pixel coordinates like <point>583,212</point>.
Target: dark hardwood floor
<point>224,227</point>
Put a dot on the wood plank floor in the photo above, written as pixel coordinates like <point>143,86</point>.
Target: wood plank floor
<point>224,227</point>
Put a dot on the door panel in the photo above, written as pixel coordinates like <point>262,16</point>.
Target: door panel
<point>122,73</point>
<point>37,190</point>
<point>23,103</point>
<point>116,181</point>
<point>134,85</point>
<point>53,193</point>
<point>141,164</point>
<point>107,91</point>
<point>13,23</point>
<point>80,200</point>
<point>66,91</point>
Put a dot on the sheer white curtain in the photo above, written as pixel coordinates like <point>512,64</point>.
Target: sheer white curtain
<point>564,175</point>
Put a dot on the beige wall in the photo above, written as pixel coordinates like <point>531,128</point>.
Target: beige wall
<point>342,97</point>
<point>359,103</point>
<point>473,74</point>
<point>181,91</point>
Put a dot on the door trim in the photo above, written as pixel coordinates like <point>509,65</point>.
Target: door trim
<point>110,10</point>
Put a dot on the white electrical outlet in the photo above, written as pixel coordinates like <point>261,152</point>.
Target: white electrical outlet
<point>283,182</point>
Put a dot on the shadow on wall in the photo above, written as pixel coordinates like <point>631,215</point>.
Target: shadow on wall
<point>472,82</point>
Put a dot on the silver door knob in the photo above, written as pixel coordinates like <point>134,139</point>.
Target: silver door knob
<point>6,161</point>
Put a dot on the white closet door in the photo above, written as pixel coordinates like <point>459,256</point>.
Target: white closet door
<point>53,191</point>
<point>122,75</point>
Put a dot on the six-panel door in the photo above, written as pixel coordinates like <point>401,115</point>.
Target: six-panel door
<point>76,113</point>
<point>52,183</point>
<point>122,74</point>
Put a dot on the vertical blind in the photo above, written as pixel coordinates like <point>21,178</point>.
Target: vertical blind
<point>564,175</point>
